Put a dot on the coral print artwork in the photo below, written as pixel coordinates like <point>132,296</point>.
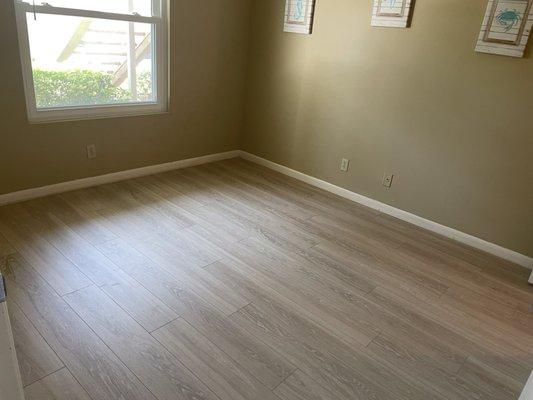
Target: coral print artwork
<point>299,16</point>
<point>506,27</point>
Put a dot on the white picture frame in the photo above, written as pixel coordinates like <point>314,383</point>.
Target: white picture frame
<point>299,15</point>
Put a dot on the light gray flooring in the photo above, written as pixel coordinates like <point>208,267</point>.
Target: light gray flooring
<point>228,281</point>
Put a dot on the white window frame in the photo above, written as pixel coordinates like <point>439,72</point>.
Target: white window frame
<point>159,65</point>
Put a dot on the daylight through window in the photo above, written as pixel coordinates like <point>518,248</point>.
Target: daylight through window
<point>87,58</point>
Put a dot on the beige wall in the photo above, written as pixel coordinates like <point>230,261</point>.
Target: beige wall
<point>209,41</point>
<point>454,126</point>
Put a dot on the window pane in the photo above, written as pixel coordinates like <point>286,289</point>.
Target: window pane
<point>82,61</point>
<point>142,7</point>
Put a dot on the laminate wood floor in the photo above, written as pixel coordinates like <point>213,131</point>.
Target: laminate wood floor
<point>229,281</point>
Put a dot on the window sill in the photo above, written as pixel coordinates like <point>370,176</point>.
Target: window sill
<point>46,117</point>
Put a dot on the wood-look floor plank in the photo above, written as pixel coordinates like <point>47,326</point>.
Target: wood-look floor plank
<point>263,362</point>
<point>91,362</point>
<point>130,210</point>
<point>365,312</point>
<point>163,374</point>
<point>5,247</point>
<point>499,335</point>
<point>410,309</point>
<point>223,375</point>
<point>311,201</point>
<point>525,319</point>
<point>381,272</point>
<point>60,385</point>
<point>145,308</point>
<point>291,184</point>
<point>36,358</point>
<point>260,222</point>
<point>491,380</point>
<point>150,312</point>
<point>172,249</point>
<point>55,268</point>
<point>257,286</point>
<point>299,386</point>
<point>242,191</point>
<point>319,356</point>
<point>456,272</point>
<point>217,228</point>
<point>373,253</point>
<point>84,223</point>
<point>342,370</point>
<point>85,201</point>
<point>300,294</point>
<point>311,266</point>
<point>167,190</point>
<point>266,365</point>
<point>184,183</point>
<point>162,211</point>
<point>79,252</point>
<point>329,294</point>
<point>413,358</point>
<point>167,283</point>
<point>482,307</point>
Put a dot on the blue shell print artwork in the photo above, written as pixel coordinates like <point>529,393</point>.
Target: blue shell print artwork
<point>394,8</point>
<point>509,19</point>
<point>299,12</point>
<point>506,27</point>
<point>299,16</point>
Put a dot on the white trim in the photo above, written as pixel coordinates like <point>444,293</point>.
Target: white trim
<point>65,114</point>
<point>527,394</point>
<point>29,194</point>
<point>443,230</point>
<point>10,379</point>
<point>160,68</point>
<point>78,12</point>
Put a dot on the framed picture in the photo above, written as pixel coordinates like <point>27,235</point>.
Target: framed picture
<point>506,27</point>
<point>391,8</point>
<point>507,21</point>
<point>391,13</point>
<point>299,16</point>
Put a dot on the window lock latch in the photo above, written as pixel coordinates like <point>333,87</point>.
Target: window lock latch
<point>43,4</point>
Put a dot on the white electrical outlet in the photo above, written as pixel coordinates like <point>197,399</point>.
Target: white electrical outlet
<point>91,151</point>
<point>387,180</point>
<point>345,164</point>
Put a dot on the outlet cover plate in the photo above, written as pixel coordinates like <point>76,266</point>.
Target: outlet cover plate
<point>91,151</point>
<point>345,164</point>
<point>387,180</point>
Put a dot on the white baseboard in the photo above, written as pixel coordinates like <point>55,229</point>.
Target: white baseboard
<point>29,194</point>
<point>443,230</point>
<point>10,379</point>
<point>527,393</point>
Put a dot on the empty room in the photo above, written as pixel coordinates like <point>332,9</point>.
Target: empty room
<point>266,200</point>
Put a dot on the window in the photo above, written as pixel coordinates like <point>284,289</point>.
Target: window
<point>93,58</point>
